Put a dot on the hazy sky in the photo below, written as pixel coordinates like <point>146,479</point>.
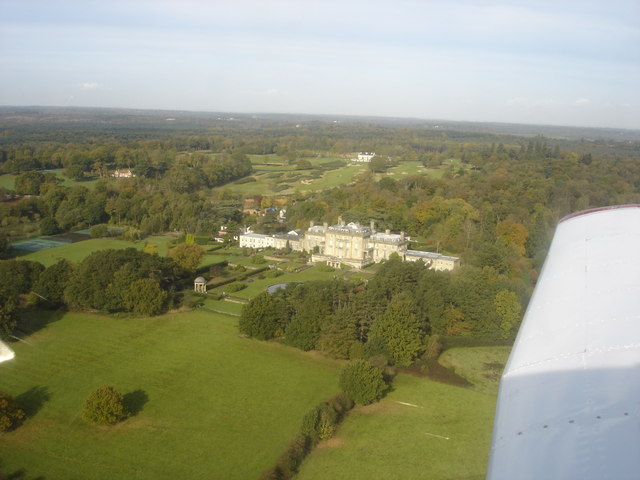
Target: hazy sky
<point>559,62</point>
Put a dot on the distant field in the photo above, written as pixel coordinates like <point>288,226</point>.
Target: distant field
<point>79,250</point>
<point>266,180</point>
<point>392,440</point>
<point>209,403</point>
<point>408,168</point>
<point>335,178</point>
<point>8,180</point>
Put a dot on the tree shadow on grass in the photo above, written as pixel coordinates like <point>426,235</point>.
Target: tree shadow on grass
<point>134,401</point>
<point>30,321</point>
<point>20,474</point>
<point>33,399</point>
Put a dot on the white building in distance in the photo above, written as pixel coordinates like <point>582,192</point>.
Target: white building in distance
<point>349,244</point>
<point>123,173</point>
<point>364,157</point>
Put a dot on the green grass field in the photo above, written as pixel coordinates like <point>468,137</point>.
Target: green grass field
<point>258,285</point>
<point>209,403</point>
<point>482,366</point>
<point>76,252</point>
<point>8,180</point>
<point>392,440</point>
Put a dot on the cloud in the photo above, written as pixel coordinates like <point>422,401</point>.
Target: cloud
<point>273,92</point>
<point>583,101</point>
<point>88,85</point>
<point>530,103</point>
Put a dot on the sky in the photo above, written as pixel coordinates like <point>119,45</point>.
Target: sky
<point>553,62</point>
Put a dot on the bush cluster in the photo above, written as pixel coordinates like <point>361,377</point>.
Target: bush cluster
<point>235,287</point>
<point>362,382</point>
<point>104,406</point>
<point>318,424</point>
<point>11,414</point>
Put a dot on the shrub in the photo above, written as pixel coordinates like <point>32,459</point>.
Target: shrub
<point>49,226</point>
<point>257,260</point>
<point>187,255</point>
<point>341,403</point>
<point>235,287</point>
<point>323,267</point>
<point>11,415</point>
<point>292,458</point>
<point>273,473</point>
<point>104,406</point>
<point>98,231</point>
<point>245,180</point>
<point>310,423</point>
<point>145,297</point>
<point>356,351</point>
<point>273,273</point>
<point>433,347</point>
<point>362,382</point>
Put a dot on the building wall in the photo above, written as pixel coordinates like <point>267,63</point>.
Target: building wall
<point>352,245</point>
<point>255,240</point>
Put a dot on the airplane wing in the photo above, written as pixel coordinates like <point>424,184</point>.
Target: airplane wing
<point>569,400</point>
<point>5,352</point>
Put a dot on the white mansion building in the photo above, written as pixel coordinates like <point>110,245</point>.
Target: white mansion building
<point>350,244</point>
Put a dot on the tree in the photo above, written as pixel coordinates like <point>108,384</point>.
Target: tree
<point>28,183</point>
<point>100,280</point>
<point>362,382</point>
<point>145,297</point>
<point>8,320</point>
<point>49,226</point>
<point>400,328</point>
<point>338,334</point>
<point>52,283</point>
<point>99,231</point>
<point>514,234</point>
<point>18,276</point>
<point>104,406</point>
<point>187,255</point>
<point>263,317</point>
<point>4,246</point>
<point>11,414</point>
<point>378,164</point>
<point>303,164</point>
<point>509,309</point>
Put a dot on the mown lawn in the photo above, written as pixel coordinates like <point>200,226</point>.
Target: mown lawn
<point>334,178</point>
<point>8,181</point>
<point>482,366</point>
<point>258,285</point>
<point>208,403</point>
<point>392,440</point>
<point>76,252</point>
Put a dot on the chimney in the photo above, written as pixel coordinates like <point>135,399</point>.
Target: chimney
<point>373,226</point>
<point>340,221</point>
<point>401,235</point>
<point>387,231</point>
<point>310,223</point>
<point>325,225</point>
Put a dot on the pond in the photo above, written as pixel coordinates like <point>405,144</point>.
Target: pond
<point>279,286</point>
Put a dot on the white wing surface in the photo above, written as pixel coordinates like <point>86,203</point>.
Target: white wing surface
<point>5,352</point>
<point>569,401</point>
